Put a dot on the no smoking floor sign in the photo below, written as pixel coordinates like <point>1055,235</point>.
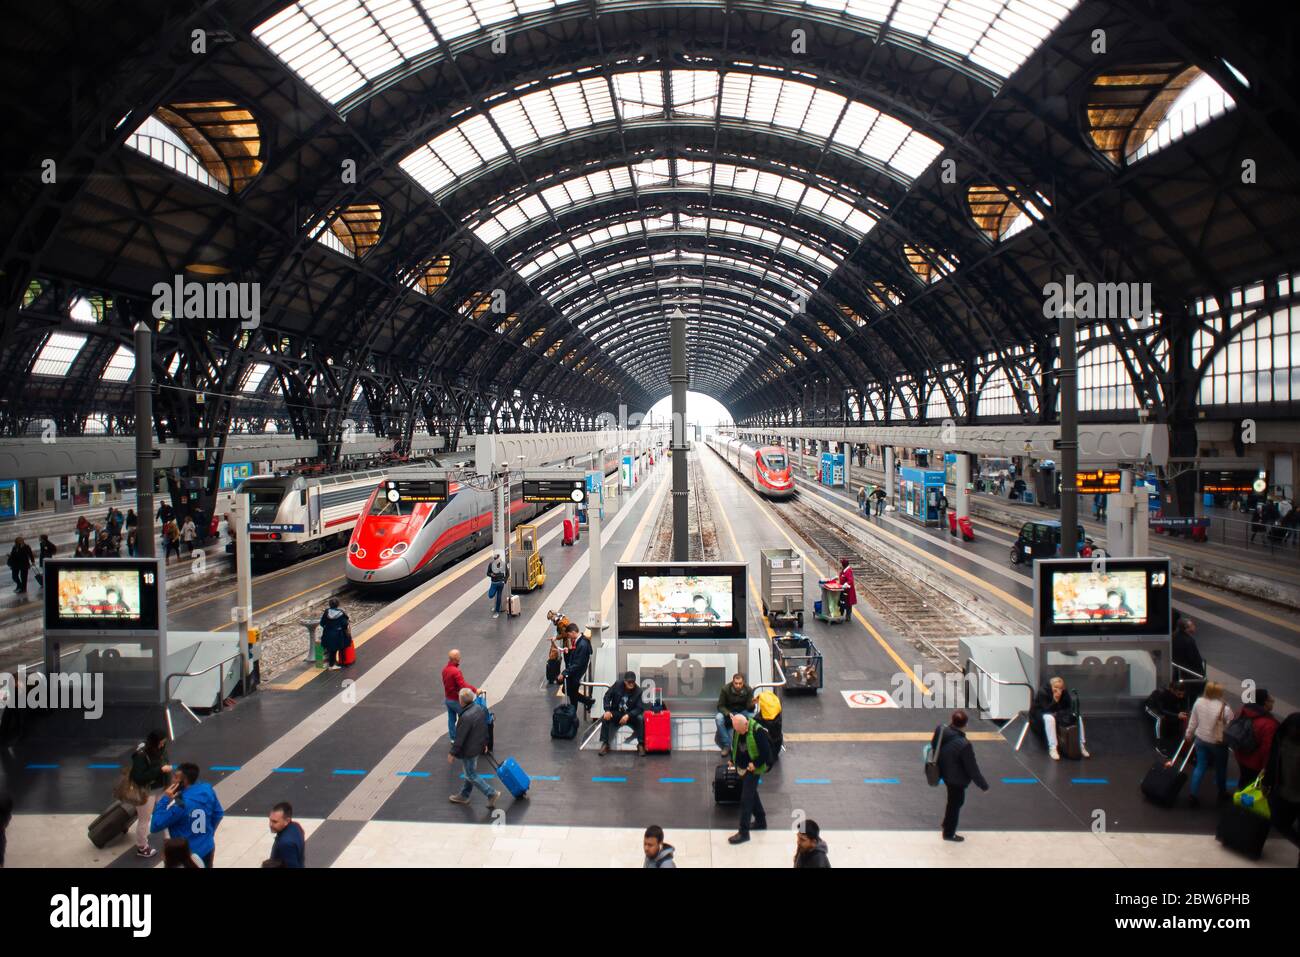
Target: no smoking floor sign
<point>869,699</point>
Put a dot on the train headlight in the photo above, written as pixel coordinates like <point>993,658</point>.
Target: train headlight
<point>399,548</point>
<point>354,548</point>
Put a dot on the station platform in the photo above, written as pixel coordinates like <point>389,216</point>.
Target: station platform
<point>1240,636</point>
<point>362,754</point>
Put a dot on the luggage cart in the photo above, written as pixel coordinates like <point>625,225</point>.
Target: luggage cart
<point>527,570</point>
<point>782,587</point>
<point>800,662</point>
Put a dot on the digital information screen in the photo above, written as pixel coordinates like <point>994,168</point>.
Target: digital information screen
<point>1099,482</point>
<point>1111,598</point>
<point>555,490</point>
<point>695,599</point>
<point>416,490</point>
<point>101,595</point>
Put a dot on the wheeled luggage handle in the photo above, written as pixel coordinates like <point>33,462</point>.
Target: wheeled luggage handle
<point>1174,759</point>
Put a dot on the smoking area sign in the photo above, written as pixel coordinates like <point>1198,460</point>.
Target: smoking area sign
<point>869,699</point>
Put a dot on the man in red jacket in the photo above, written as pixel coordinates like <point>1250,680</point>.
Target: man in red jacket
<point>452,681</point>
<point>1251,763</point>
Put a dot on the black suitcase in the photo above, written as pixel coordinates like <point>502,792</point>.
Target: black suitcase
<point>1162,784</point>
<point>1067,742</point>
<point>111,825</point>
<point>726,785</point>
<point>564,722</point>
<point>552,670</point>
<point>1242,831</point>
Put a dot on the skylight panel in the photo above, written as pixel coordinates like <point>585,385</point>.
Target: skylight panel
<point>57,355</point>
<point>254,376</point>
<point>639,94</point>
<point>694,92</point>
<point>452,18</point>
<point>120,367</point>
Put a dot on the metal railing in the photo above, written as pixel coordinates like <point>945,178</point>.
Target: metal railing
<point>965,673</point>
<point>167,684</point>
<point>776,665</point>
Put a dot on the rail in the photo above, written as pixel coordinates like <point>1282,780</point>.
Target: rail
<point>167,685</point>
<point>965,673</point>
<point>773,684</point>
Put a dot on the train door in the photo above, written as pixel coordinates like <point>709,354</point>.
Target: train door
<point>313,511</point>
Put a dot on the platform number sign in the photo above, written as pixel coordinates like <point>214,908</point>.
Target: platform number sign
<point>1158,579</point>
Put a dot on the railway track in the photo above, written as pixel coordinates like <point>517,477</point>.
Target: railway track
<point>929,619</point>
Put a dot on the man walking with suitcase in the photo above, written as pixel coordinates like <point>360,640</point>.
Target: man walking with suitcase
<point>958,768</point>
<point>453,683</point>
<point>751,754</point>
<point>470,745</point>
<point>575,667</point>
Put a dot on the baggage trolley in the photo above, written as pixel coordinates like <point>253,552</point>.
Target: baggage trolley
<point>782,587</point>
<point>800,661</point>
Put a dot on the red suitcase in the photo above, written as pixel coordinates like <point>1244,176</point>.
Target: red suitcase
<point>570,532</point>
<point>658,732</point>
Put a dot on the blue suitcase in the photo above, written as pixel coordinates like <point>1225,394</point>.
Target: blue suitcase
<point>512,776</point>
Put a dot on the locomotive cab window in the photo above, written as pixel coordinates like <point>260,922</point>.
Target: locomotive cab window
<point>263,504</point>
<point>774,461</point>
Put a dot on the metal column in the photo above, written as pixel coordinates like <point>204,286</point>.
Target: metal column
<point>595,567</point>
<point>145,543</point>
<point>1067,383</point>
<point>962,479</point>
<point>889,475</point>
<point>681,520</point>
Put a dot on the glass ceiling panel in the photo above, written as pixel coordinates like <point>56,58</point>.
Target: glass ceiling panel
<point>460,153</point>
<point>735,180</point>
<point>57,355</point>
<point>338,47</point>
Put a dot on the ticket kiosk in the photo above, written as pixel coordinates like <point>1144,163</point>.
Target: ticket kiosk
<point>918,494</point>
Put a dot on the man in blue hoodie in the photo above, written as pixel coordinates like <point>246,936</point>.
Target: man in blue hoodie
<point>189,809</point>
<point>290,847</point>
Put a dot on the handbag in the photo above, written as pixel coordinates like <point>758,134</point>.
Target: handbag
<point>128,792</point>
<point>1253,798</point>
<point>932,774</point>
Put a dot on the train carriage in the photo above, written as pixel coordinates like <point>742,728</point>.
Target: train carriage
<point>766,468</point>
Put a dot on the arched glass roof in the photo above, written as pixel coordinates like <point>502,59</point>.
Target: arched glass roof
<point>677,177</point>
<point>473,147</point>
<point>343,49</point>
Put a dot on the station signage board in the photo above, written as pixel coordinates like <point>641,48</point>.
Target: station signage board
<point>413,491</point>
<point>1097,482</point>
<point>555,491</point>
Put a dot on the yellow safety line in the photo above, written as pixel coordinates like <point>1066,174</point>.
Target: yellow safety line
<point>856,614</point>
<point>399,608</point>
<point>826,736</point>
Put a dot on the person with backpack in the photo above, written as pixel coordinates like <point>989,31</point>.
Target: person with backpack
<point>1250,737</point>
<point>1210,717</point>
<point>736,697</point>
<point>957,767</point>
<point>1054,708</point>
<point>767,707</point>
<point>335,634</point>
<point>496,574</point>
<point>751,756</point>
<point>21,560</point>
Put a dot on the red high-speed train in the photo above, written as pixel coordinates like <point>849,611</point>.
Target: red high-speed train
<point>396,545</point>
<point>766,468</point>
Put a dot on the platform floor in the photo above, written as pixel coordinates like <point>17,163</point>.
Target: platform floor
<point>362,754</point>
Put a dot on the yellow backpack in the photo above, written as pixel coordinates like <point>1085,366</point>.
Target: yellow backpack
<point>769,705</point>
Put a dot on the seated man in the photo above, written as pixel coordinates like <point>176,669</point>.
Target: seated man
<point>1053,707</point>
<point>1168,707</point>
<point>623,706</point>
<point>734,698</point>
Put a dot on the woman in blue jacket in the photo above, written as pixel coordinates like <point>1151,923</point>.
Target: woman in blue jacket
<point>334,634</point>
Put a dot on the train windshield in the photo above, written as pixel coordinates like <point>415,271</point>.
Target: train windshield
<point>774,460</point>
<point>263,503</point>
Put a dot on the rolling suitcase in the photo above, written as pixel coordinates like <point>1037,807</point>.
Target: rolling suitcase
<point>1162,784</point>
<point>658,728</point>
<point>564,722</point>
<point>112,824</point>
<point>1067,742</point>
<point>514,606</point>
<point>570,532</point>
<point>726,785</point>
<point>1242,831</point>
<point>514,777</point>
